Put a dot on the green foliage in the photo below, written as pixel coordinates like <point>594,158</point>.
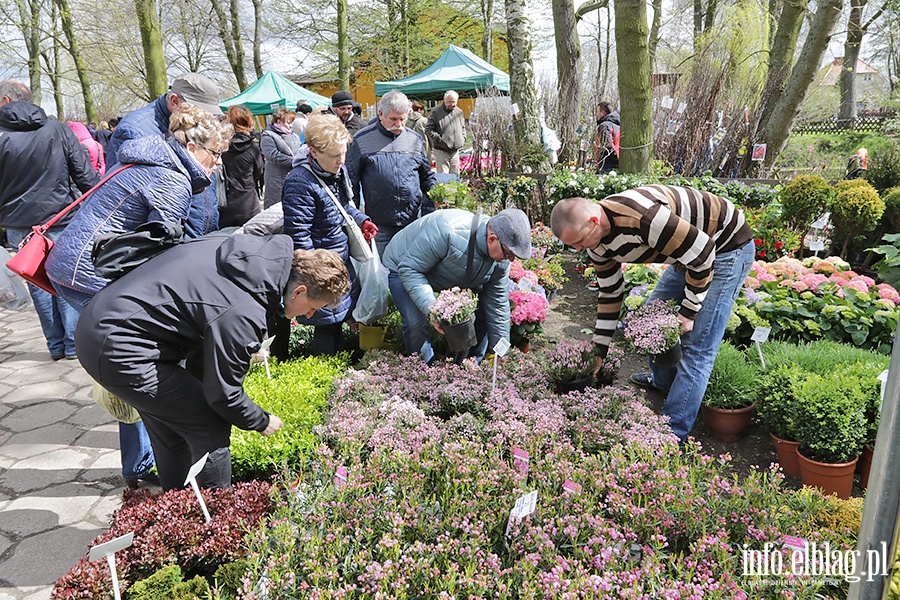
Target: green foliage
<point>158,586</point>
<point>856,207</point>
<point>563,183</point>
<point>454,194</point>
<point>889,267</point>
<point>884,167</point>
<point>733,381</point>
<point>831,422</point>
<point>890,220</point>
<point>229,579</point>
<point>804,199</point>
<point>501,192</point>
<point>777,401</point>
<point>772,236</point>
<point>296,393</point>
<point>755,195</point>
<point>826,154</point>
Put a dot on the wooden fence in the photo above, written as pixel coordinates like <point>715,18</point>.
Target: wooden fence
<point>865,123</point>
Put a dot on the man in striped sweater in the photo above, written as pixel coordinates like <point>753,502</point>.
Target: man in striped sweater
<point>710,246</point>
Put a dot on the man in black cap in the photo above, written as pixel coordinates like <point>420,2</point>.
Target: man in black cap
<point>449,248</point>
<point>342,106</point>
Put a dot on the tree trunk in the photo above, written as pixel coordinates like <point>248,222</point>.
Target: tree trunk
<point>30,26</point>
<point>698,23</point>
<point>52,63</point>
<point>781,54</point>
<point>635,93</point>
<point>151,40</point>
<point>785,109</point>
<point>653,41</point>
<point>487,36</point>
<point>568,68</point>
<point>65,15</point>
<point>851,54</point>
<point>257,37</point>
<point>343,46</point>
<point>521,84</point>
<point>231,39</point>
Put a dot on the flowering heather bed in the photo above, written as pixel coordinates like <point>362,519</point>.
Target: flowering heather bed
<point>815,299</point>
<point>430,481</point>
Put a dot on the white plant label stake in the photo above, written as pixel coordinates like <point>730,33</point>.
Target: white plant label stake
<point>760,335</point>
<point>108,550</point>
<point>264,347</point>
<point>500,349</point>
<point>525,505</point>
<point>192,479</point>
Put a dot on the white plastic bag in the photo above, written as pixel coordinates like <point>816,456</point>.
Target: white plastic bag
<point>374,295</point>
<point>13,293</point>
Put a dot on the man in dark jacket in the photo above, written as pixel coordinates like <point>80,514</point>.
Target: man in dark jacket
<point>38,160</point>
<point>211,302</point>
<point>342,106</point>
<point>153,119</point>
<point>387,161</point>
<point>607,143</point>
<point>446,129</point>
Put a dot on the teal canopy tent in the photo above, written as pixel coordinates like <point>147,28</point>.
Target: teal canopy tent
<point>456,69</point>
<point>271,91</point>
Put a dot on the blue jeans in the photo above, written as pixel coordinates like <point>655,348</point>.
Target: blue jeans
<point>687,380</point>
<point>416,336</point>
<point>58,319</point>
<point>134,443</point>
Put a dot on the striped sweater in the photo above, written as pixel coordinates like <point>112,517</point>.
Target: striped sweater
<point>662,224</point>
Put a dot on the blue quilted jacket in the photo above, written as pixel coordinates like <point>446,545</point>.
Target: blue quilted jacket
<point>152,119</point>
<point>431,255</point>
<point>157,188</point>
<point>393,174</point>
<point>313,221</point>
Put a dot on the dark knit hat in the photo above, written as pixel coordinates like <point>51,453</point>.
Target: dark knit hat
<point>341,98</point>
<point>514,231</point>
<point>304,108</point>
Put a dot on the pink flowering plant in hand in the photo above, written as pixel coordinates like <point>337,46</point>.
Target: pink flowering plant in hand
<point>653,328</point>
<point>570,361</point>
<point>454,306</point>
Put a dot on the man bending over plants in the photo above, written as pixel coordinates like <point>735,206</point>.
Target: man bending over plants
<point>173,338</point>
<point>710,245</point>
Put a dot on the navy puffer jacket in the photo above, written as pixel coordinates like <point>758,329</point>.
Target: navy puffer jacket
<point>157,188</point>
<point>393,173</point>
<point>152,119</point>
<point>313,221</point>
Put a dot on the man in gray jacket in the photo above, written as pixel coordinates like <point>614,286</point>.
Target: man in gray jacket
<point>450,248</point>
<point>446,129</point>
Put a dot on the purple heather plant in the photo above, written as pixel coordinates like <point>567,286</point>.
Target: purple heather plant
<point>454,306</point>
<point>570,361</point>
<point>653,328</point>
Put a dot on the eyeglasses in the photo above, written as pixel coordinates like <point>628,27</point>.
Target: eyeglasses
<point>216,155</point>
<point>507,253</point>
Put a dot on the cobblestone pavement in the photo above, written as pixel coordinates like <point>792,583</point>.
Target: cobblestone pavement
<point>60,472</point>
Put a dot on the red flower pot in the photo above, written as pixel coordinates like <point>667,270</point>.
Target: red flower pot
<point>828,477</point>
<point>865,465</point>
<point>728,425</point>
<point>787,455</point>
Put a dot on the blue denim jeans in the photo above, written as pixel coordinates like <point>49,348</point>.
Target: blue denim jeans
<point>134,443</point>
<point>416,336</point>
<point>687,380</point>
<point>57,318</point>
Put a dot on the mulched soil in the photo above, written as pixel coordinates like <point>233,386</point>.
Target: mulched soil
<point>572,316</point>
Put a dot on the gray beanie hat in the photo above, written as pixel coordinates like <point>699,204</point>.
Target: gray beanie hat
<point>513,230</point>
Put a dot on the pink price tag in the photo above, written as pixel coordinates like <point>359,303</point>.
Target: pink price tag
<point>570,487</point>
<point>340,477</point>
<point>520,460</point>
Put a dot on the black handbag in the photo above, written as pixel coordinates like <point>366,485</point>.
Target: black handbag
<point>115,254</point>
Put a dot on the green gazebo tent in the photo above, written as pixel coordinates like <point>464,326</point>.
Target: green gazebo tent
<point>271,91</point>
<point>456,69</point>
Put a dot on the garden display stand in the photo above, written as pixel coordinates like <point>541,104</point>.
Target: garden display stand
<point>669,358</point>
<point>831,478</point>
<point>787,455</point>
<point>728,425</point>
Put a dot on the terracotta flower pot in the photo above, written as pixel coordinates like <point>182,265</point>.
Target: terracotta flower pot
<point>669,358</point>
<point>371,337</point>
<point>576,385</point>
<point>787,455</point>
<point>728,425</point>
<point>829,477</point>
<point>865,465</point>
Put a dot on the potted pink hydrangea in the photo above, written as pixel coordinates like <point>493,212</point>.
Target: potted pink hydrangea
<point>653,328</point>
<point>454,311</point>
<point>527,311</point>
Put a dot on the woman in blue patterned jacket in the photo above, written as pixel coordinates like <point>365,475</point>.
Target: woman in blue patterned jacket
<point>313,220</point>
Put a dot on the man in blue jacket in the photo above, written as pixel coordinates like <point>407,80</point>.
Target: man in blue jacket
<point>387,161</point>
<point>450,248</point>
<point>38,159</point>
<point>153,119</point>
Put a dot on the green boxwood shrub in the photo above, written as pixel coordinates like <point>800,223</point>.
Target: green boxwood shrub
<point>890,220</point>
<point>777,401</point>
<point>168,584</point>
<point>831,421</point>
<point>733,382</point>
<point>804,199</point>
<point>296,393</point>
<point>884,167</point>
<point>856,209</point>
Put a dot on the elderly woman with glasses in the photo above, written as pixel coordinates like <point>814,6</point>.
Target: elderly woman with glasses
<point>312,218</point>
<point>161,175</point>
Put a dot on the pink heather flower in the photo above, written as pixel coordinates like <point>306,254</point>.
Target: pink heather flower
<point>887,292</point>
